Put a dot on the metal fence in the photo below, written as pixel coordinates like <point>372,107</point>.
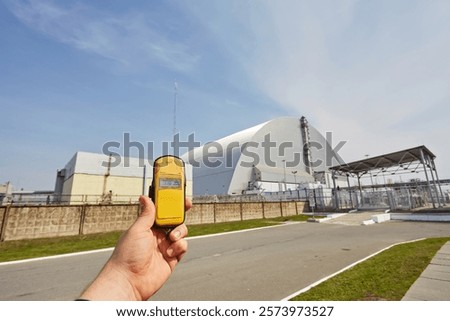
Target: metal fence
<point>54,199</point>
<point>399,198</point>
<point>326,199</point>
<point>320,198</point>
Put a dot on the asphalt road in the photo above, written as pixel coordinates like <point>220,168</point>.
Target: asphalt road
<point>265,264</point>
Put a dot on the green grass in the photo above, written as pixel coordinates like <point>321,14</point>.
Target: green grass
<point>386,276</point>
<point>25,249</point>
<point>205,229</point>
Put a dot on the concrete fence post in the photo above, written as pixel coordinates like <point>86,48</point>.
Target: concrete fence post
<point>4,223</point>
<point>82,217</point>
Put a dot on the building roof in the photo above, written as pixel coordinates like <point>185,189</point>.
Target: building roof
<point>276,148</point>
<point>399,160</point>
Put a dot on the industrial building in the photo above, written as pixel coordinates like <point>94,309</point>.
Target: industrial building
<point>281,159</point>
<point>278,155</point>
<point>99,178</point>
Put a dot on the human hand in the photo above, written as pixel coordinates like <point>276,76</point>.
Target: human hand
<point>142,261</point>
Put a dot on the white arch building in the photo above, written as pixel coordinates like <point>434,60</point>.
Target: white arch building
<point>277,155</point>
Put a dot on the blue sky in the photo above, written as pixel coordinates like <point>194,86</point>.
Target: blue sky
<point>77,74</point>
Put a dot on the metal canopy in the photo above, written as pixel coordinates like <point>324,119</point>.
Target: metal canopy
<point>383,162</point>
<point>400,162</point>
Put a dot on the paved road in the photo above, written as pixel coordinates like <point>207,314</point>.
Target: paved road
<point>265,264</point>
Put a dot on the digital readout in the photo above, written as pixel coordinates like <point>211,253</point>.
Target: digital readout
<point>169,183</point>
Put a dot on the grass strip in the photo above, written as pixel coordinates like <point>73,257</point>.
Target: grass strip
<point>386,276</point>
<point>206,229</point>
<point>25,249</point>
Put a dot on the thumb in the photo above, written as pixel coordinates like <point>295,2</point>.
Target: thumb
<point>146,217</point>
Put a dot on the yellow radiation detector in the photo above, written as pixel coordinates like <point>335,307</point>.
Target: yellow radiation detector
<point>168,191</point>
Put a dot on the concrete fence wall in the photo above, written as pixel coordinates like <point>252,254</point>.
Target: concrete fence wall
<point>29,222</point>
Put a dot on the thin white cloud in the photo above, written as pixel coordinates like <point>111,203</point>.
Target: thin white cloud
<point>352,67</point>
<point>129,39</point>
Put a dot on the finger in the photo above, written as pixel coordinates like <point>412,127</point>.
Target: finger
<point>146,217</point>
<point>178,233</point>
<point>177,249</point>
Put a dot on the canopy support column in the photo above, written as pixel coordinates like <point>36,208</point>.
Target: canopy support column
<point>349,191</point>
<point>422,160</point>
<point>433,167</point>
<point>336,198</point>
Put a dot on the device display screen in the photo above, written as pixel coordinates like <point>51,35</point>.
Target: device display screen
<point>169,183</point>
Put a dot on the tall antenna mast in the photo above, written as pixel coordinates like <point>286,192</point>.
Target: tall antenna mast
<point>175,93</point>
